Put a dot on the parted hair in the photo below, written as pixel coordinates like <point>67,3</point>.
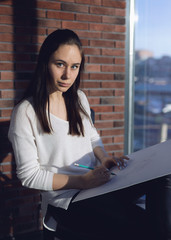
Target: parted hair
<point>41,85</point>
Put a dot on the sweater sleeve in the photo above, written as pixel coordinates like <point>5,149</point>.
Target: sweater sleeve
<point>95,137</point>
<point>29,169</point>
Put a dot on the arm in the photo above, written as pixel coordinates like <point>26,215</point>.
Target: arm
<point>91,179</point>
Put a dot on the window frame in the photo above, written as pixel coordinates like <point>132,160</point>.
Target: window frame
<point>129,82</point>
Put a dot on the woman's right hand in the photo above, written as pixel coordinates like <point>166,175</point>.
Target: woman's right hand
<point>96,177</point>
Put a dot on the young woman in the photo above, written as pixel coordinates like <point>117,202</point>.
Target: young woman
<point>51,130</point>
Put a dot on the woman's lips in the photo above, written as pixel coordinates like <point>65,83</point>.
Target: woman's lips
<point>63,84</point>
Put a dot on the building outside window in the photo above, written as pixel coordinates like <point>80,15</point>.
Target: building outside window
<point>151,73</point>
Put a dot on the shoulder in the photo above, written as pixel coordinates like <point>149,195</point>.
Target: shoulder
<point>84,101</point>
<point>22,118</point>
<point>24,108</point>
<point>82,96</point>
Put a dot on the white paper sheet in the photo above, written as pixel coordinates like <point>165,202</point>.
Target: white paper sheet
<point>144,165</point>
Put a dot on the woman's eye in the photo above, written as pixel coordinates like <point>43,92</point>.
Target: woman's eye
<point>59,64</point>
<point>75,67</point>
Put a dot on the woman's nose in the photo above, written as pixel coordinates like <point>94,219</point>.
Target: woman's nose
<point>66,73</point>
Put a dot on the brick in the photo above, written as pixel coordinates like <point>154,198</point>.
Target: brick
<point>112,68</point>
<point>37,39</point>
<point>89,2</point>
<point>85,76</point>
<point>88,34</point>
<point>112,132</point>
<point>92,68</point>
<point>6,168</point>
<point>6,10</point>
<point>6,94</point>
<point>6,112</point>
<point>101,92</point>
<point>106,60</point>
<point>119,92</point>
<point>60,15</point>
<point>114,4</point>
<point>7,75</point>
<point>6,37</point>
<point>6,29</point>
<point>103,108</point>
<point>111,116</point>
<point>113,52</point>
<point>101,76</point>
<point>119,76</point>
<point>94,101</point>
<point>118,139</point>
<point>119,28</point>
<point>102,125</point>
<point>74,25</point>
<point>6,20</point>
<point>92,51</point>
<point>88,18</point>
<point>6,103</point>
<point>113,20</point>
<point>114,147</point>
<point>88,84</point>
<point>107,140</point>
<point>101,43</point>
<point>120,44</point>
<point>48,5</point>
<point>118,124</point>
<point>85,42</point>
<point>120,12</point>
<point>74,7</point>
<point>119,100</point>
<point>6,85</point>
<point>72,1</point>
<point>6,56</point>
<point>102,11</point>
<point>113,84</point>
<point>119,108</point>
<point>7,66</point>
<point>102,27</point>
<point>48,23</point>
<point>119,61</point>
<point>6,47</point>
<point>114,36</point>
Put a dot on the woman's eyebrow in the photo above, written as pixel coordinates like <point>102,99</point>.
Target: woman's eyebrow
<point>60,60</point>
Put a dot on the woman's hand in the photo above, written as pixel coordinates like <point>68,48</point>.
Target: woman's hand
<point>109,162</point>
<point>96,177</point>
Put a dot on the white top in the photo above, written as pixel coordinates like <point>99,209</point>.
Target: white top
<point>39,155</point>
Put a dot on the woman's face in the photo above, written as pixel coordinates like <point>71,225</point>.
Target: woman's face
<point>64,66</point>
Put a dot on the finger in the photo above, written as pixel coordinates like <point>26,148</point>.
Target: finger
<point>121,162</point>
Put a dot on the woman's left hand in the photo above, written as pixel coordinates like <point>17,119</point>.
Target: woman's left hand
<point>110,162</point>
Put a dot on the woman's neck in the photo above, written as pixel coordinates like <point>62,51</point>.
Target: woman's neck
<point>57,105</point>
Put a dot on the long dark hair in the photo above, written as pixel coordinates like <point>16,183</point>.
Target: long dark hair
<point>41,85</point>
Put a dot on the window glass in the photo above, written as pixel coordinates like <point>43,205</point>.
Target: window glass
<point>152,96</point>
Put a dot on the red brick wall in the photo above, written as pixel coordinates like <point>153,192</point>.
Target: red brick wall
<point>23,27</point>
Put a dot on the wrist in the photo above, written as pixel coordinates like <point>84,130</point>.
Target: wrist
<point>82,182</point>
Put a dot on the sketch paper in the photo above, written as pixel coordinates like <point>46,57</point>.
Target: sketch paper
<point>144,165</point>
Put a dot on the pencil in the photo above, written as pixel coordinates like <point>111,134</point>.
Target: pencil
<point>83,166</point>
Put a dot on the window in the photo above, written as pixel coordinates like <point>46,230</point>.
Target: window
<point>151,73</point>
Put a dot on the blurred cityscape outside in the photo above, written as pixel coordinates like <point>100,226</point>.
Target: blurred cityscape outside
<point>152,79</point>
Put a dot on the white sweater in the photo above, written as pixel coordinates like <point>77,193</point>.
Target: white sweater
<point>39,155</point>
